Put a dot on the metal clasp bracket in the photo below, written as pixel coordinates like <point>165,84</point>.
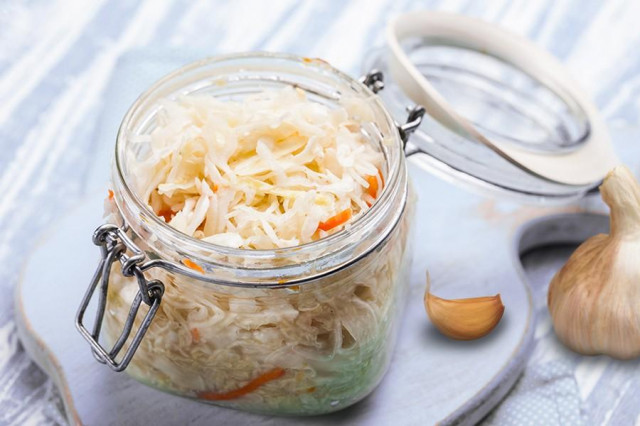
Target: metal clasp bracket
<point>374,80</point>
<point>114,245</point>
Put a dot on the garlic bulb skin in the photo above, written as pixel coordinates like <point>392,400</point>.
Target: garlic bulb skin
<point>594,300</point>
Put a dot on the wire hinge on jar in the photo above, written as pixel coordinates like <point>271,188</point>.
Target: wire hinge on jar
<point>114,245</point>
<point>374,80</point>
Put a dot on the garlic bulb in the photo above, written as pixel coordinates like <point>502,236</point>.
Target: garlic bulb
<point>463,319</point>
<point>594,300</point>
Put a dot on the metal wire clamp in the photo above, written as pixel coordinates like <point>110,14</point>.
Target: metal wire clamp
<point>114,245</point>
<point>374,80</point>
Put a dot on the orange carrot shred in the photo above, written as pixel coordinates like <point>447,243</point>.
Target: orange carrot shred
<point>372,190</point>
<point>166,214</point>
<point>215,188</point>
<point>195,335</point>
<point>254,384</point>
<point>110,192</point>
<point>311,389</point>
<point>336,220</point>
<point>193,265</point>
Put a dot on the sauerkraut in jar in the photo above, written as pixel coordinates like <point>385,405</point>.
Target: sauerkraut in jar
<point>276,189</point>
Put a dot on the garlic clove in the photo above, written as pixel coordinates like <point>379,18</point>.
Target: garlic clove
<point>463,319</point>
<point>594,300</point>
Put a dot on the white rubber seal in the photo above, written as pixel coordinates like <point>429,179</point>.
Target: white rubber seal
<point>585,165</point>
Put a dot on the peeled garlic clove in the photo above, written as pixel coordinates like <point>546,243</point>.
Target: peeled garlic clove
<point>464,319</point>
<point>594,300</point>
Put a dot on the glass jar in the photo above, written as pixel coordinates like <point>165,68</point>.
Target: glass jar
<point>303,330</point>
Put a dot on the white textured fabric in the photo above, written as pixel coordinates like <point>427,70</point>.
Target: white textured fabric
<point>546,395</point>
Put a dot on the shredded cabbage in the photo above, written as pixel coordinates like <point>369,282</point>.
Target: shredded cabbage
<point>260,173</point>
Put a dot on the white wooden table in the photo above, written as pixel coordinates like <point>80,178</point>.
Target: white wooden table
<point>56,58</point>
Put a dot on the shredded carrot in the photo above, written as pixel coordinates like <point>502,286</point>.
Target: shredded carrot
<point>110,192</point>
<point>195,335</point>
<point>215,187</point>
<point>166,214</point>
<point>295,288</point>
<point>311,389</point>
<point>373,185</point>
<point>336,220</point>
<point>372,190</point>
<point>193,265</point>
<point>254,384</point>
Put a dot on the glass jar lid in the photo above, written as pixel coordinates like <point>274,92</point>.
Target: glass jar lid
<point>502,114</point>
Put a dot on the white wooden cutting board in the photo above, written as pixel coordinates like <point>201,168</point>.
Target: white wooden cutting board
<point>470,244</point>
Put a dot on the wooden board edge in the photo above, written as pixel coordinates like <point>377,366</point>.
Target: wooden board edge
<point>37,349</point>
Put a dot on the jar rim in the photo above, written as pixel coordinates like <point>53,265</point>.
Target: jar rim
<point>195,247</point>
